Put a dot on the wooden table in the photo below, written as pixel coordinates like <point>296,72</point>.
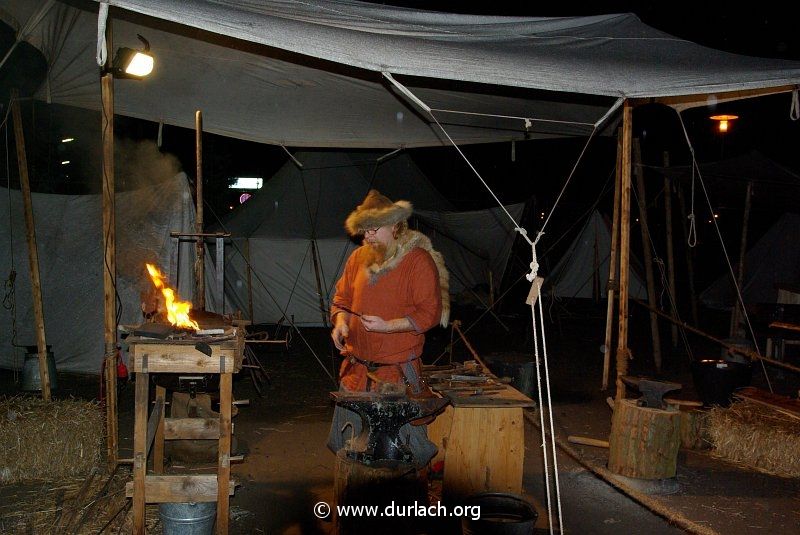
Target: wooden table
<point>151,355</point>
<point>482,441</point>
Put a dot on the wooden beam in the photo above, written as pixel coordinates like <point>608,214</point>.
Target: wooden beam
<point>33,251</point>
<point>623,352</point>
<point>199,272</point>
<point>182,360</point>
<point>158,435</point>
<point>673,299</point>
<point>647,251</point>
<point>612,285</point>
<point>109,253</point>
<point>224,451</point>
<point>685,102</point>
<point>180,489</point>
<point>140,451</point>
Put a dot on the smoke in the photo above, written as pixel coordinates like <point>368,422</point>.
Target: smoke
<point>140,164</point>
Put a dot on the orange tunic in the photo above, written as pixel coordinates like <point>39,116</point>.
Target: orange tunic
<point>410,290</point>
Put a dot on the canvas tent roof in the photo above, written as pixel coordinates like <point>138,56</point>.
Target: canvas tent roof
<point>298,204</point>
<point>586,263</point>
<point>70,247</point>
<point>306,73</point>
<point>774,260</point>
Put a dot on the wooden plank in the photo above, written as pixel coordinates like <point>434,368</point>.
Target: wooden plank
<point>224,449</point>
<point>158,451</point>
<point>623,352</point>
<point>485,452</point>
<point>191,428</point>
<point>180,489</point>
<point>783,404</point>
<point>33,251</point>
<point>612,269</point>
<point>139,451</point>
<point>439,433</point>
<point>180,359</point>
<point>587,441</point>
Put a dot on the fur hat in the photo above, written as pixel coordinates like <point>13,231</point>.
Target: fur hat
<point>376,211</point>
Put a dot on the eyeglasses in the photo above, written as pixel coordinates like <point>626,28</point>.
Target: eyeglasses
<point>370,230</point>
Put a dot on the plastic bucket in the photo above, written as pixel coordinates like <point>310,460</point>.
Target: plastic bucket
<point>188,518</point>
<point>716,379</point>
<point>31,381</point>
<point>500,514</point>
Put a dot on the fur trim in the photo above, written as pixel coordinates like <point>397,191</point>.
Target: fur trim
<point>376,211</point>
<point>405,243</point>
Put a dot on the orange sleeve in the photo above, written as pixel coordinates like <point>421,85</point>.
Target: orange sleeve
<point>425,296</point>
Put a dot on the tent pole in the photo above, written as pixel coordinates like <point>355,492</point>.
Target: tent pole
<point>689,262</point>
<point>315,258</point>
<point>612,265</point>
<point>33,251</point>
<point>670,252</point>
<point>735,331</point>
<point>199,272</point>
<point>249,279</point>
<point>623,353</point>
<point>647,251</point>
<point>109,253</point>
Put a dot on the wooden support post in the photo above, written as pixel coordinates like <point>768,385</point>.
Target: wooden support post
<point>735,331</point>
<point>158,446</point>
<point>33,251</point>
<point>140,451</point>
<point>200,246</point>
<point>624,247</point>
<point>249,280</point>
<point>673,298</point>
<point>109,255</point>
<point>647,252</point>
<point>224,451</point>
<point>612,284</point>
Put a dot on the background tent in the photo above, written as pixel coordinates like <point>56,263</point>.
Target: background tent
<point>299,213</point>
<point>69,242</point>
<point>774,260</point>
<point>583,270</point>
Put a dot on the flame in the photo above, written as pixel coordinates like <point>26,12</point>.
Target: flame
<point>177,311</point>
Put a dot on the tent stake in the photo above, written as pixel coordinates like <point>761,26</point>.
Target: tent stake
<point>33,251</point>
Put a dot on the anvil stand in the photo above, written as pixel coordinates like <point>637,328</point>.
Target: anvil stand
<point>377,468</point>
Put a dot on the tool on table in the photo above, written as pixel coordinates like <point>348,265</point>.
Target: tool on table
<point>652,391</point>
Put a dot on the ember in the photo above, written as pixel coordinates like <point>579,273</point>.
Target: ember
<point>177,311</point>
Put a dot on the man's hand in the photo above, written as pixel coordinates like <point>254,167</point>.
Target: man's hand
<point>339,333</point>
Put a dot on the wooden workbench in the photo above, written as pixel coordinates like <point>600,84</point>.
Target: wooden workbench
<point>149,355</point>
<point>481,440</point>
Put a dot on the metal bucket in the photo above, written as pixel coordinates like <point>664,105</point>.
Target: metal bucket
<point>500,514</point>
<point>31,381</point>
<point>188,518</point>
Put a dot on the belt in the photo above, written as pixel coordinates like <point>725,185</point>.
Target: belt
<point>371,365</point>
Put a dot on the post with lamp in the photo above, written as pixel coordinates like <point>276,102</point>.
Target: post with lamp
<point>127,63</point>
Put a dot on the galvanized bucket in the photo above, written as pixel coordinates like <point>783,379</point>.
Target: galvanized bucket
<point>31,381</point>
<point>188,518</point>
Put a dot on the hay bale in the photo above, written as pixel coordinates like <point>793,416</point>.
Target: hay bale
<point>49,441</point>
<point>757,437</point>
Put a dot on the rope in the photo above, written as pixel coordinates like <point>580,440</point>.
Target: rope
<point>102,47</point>
<point>724,250</point>
<point>549,408</point>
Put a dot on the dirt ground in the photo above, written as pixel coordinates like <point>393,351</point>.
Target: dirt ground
<point>287,469</point>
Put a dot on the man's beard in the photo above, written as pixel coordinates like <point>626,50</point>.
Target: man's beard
<point>378,252</point>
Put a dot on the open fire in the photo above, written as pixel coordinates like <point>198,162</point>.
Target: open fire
<point>177,311</point>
